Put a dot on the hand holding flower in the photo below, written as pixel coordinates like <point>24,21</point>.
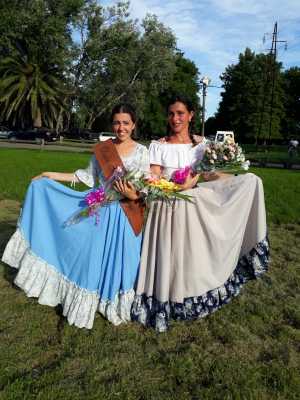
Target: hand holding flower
<point>190,181</point>
<point>126,188</point>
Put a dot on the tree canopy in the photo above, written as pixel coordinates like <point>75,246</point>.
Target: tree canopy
<point>291,121</point>
<point>77,58</point>
<point>252,100</point>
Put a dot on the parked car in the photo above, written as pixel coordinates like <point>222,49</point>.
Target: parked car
<point>80,134</point>
<point>49,135</point>
<point>106,135</point>
<point>88,134</point>
<point>37,135</point>
<point>222,136</point>
<point>5,132</point>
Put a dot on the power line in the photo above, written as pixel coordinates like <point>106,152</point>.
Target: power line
<point>270,79</point>
<point>273,54</point>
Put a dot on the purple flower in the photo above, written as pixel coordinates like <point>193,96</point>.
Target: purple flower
<point>179,176</point>
<point>95,197</point>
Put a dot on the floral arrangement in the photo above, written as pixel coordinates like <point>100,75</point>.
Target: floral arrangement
<point>150,187</point>
<point>160,189</point>
<point>226,156</point>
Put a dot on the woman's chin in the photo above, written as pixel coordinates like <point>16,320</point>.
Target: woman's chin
<point>122,139</point>
<point>177,129</point>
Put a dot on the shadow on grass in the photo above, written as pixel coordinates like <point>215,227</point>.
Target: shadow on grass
<point>7,228</point>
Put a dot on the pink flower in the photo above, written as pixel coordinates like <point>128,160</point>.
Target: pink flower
<point>179,176</point>
<point>95,197</point>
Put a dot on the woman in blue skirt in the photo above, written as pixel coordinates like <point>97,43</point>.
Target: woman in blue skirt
<point>87,266</point>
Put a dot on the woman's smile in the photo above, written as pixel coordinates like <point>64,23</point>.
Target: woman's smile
<point>123,126</point>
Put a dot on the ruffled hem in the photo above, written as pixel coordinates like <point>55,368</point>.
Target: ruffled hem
<point>41,280</point>
<point>151,312</point>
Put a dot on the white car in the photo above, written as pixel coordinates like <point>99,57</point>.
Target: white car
<point>106,135</point>
<point>222,136</point>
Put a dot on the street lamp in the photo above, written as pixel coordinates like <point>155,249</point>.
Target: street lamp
<point>205,81</point>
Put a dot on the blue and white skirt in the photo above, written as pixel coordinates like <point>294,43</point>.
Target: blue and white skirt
<point>85,267</point>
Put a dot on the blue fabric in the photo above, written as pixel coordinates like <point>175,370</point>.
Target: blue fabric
<point>101,257</point>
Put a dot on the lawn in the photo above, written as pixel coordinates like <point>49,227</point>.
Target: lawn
<point>247,350</point>
<point>277,154</point>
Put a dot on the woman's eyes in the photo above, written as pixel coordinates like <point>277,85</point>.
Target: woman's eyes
<point>181,113</point>
<point>115,123</point>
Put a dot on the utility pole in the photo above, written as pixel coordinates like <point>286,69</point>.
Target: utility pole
<point>270,79</point>
<point>273,54</point>
<point>205,82</point>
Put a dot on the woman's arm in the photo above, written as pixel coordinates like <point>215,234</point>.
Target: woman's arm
<point>156,170</point>
<point>212,176</point>
<point>127,189</point>
<point>190,182</point>
<point>58,176</point>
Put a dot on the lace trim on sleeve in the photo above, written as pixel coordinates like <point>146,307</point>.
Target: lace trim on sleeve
<point>88,176</point>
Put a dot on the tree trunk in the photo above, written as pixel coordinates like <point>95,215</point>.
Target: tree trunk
<point>37,123</point>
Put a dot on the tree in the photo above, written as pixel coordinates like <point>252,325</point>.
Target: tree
<point>184,81</point>
<point>117,60</point>
<point>26,90</point>
<point>36,55</point>
<point>85,58</point>
<point>291,121</point>
<point>252,101</point>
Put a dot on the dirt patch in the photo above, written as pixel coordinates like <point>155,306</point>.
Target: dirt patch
<point>9,210</point>
<point>9,213</point>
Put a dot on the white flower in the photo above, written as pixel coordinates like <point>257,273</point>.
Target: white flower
<point>245,165</point>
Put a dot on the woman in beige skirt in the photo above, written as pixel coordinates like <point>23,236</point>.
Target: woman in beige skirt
<point>197,255</point>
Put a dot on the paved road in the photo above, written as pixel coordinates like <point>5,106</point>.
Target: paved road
<point>47,147</point>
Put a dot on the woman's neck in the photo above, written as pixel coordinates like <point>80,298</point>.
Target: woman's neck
<point>126,147</point>
<point>182,137</point>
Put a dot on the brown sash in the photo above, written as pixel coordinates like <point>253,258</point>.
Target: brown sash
<point>109,159</point>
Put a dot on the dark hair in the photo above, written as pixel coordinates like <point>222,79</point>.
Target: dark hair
<point>125,108</point>
<point>190,107</point>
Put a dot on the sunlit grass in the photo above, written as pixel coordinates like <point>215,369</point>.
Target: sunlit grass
<point>248,350</point>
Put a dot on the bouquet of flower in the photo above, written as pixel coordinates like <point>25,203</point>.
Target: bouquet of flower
<point>151,188</point>
<point>226,156</point>
<point>160,189</point>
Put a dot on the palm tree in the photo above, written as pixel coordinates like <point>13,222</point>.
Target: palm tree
<point>26,89</point>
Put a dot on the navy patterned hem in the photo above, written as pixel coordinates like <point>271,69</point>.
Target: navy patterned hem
<point>151,312</point>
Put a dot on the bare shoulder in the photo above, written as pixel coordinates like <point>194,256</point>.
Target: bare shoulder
<point>162,140</point>
<point>198,138</point>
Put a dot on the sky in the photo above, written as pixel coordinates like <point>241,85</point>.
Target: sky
<point>213,33</point>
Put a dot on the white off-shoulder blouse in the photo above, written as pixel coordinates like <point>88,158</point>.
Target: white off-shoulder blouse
<point>138,159</point>
<point>173,156</point>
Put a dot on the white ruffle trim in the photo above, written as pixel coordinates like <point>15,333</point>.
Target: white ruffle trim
<point>39,279</point>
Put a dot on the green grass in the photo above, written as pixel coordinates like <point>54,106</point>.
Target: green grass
<point>247,350</point>
<point>282,193</point>
<point>282,187</point>
<point>19,166</point>
<point>277,154</point>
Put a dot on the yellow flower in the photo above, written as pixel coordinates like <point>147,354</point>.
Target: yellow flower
<point>165,185</point>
